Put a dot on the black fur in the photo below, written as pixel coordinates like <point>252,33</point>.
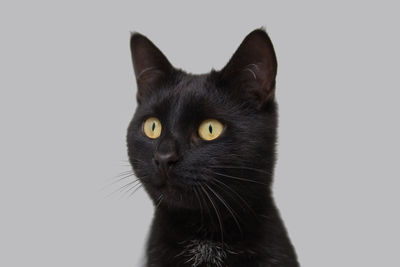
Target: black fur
<point>214,207</point>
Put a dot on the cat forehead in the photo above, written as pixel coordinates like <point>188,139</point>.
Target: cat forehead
<point>189,92</point>
<point>191,85</point>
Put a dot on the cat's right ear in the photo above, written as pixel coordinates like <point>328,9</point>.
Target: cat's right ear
<point>150,65</point>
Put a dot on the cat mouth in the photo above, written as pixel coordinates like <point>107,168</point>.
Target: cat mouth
<point>176,193</point>
<point>174,181</point>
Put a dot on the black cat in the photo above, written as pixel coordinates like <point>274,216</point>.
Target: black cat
<point>203,146</point>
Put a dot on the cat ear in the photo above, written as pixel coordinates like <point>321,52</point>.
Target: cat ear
<point>252,69</point>
<point>150,65</point>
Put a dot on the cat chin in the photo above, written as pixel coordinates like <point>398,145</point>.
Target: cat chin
<point>173,197</point>
<point>179,205</point>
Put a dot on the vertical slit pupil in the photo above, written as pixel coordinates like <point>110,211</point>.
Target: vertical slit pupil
<point>210,128</point>
<point>153,126</point>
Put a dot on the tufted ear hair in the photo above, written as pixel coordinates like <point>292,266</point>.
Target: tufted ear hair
<point>251,71</point>
<point>150,65</point>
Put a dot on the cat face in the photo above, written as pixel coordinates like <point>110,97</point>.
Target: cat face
<point>204,136</point>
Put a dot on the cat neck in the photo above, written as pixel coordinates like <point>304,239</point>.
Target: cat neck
<point>178,235</point>
<point>220,225</point>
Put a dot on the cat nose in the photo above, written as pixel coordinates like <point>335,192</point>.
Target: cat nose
<point>165,160</point>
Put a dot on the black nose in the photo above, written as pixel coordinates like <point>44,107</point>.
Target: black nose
<point>165,160</point>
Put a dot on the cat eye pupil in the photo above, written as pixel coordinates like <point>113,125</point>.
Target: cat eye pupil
<point>152,128</point>
<point>210,129</point>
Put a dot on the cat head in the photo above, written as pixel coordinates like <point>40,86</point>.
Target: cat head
<point>197,139</point>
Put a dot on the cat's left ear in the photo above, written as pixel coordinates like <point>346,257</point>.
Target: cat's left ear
<point>251,71</point>
<point>150,65</point>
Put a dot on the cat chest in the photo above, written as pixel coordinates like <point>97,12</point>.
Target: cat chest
<point>204,253</point>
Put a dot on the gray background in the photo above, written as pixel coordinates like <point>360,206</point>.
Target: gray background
<point>67,94</point>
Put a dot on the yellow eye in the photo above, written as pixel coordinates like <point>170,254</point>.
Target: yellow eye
<point>210,129</point>
<point>152,128</point>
